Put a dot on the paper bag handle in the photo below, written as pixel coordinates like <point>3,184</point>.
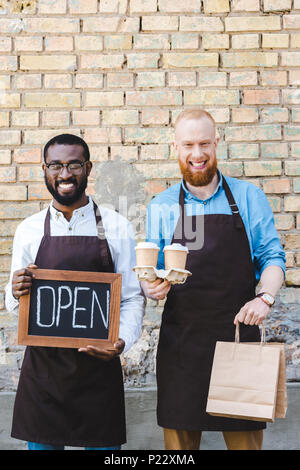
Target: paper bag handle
<point>262,333</point>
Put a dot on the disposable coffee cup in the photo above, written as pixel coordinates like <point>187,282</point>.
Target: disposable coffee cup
<point>146,254</point>
<point>175,256</point>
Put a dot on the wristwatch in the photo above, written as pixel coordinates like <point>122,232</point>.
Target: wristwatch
<point>267,298</point>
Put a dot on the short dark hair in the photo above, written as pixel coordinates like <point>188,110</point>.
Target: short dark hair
<point>67,139</point>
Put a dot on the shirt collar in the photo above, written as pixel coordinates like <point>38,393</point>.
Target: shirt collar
<point>189,195</point>
<point>80,212</point>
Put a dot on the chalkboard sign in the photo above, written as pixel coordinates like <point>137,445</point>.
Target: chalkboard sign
<point>71,309</point>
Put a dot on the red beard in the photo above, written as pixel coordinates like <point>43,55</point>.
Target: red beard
<point>201,178</point>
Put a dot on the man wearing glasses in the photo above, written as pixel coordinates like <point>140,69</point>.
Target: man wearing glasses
<point>70,397</point>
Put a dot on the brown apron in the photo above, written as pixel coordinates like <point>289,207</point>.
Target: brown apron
<point>201,312</point>
<point>65,397</point>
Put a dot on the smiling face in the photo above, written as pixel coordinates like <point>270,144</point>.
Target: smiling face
<point>66,188</point>
<point>196,144</point>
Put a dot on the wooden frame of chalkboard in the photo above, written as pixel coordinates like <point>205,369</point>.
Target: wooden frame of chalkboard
<point>114,280</point>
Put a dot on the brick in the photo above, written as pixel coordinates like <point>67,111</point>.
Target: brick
<point>190,59</point>
<point>273,78</point>
<point>244,115</point>
<point>104,98</point>
<point>30,173</point>
<point>26,119</point>
<point>155,116</point>
<point>4,82</point>
<point>292,132</point>
<point>10,137</point>
<point>48,6</point>
<point>9,63</point>
<point>52,100</point>
<point>296,114</point>
<point>294,76</point>
<point>120,117</point>
<point>98,153</point>
<point>119,80</point>
<point>59,43</point>
<point>89,80</point>
<point>9,100</point>
<point>160,23</point>
<point>38,192</point>
<point>249,59</point>
<point>295,41</point>
<point>291,96</point>
<point>245,41</point>
<point>29,44</point>
<point>201,23</point>
<point>142,61</point>
<point>233,169</point>
<point>245,5</point>
<point>276,185</point>
<point>27,155</point>
<point>5,157</point>
<point>211,97</point>
<point>292,277</point>
<point>128,153</point>
<point>4,118</point>
<point>185,41</point>
<point>277,5</point>
<point>275,41</point>
<point>220,115</point>
<point>252,23</point>
<point>292,203</point>
<point>88,43</point>
<point>86,118</point>
<point>56,118</point>
<point>6,247</point>
<point>5,44</point>
<point>48,62</point>
<point>149,135</point>
<point>292,241</point>
<point>295,150</point>
<point>150,79</point>
<point>154,152</point>
<point>102,61</point>
<point>113,6</point>
<point>28,81</point>
<point>163,170</point>
<point>296,184</point>
<point>274,150</point>
<point>110,24</point>
<point>261,96</point>
<point>212,79</point>
<point>10,25</point>
<point>50,25</point>
<point>143,6</point>
<point>262,168</point>
<point>179,79</point>
<point>274,115</point>
<point>102,135</point>
<point>7,174</point>
<point>153,98</point>
<point>215,41</point>
<point>248,78</point>
<point>177,6</point>
<point>284,221</point>
<point>118,42</point>
<point>244,151</point>
<point>58,80</point>
<point>78,7</point>
<point>19,193</point>
<point>41,136</point>
<point>292,168</point>
<point>291,22</point>
<point>296,4</point>
<point>290,59</point>
<point>151,41</point>
<point>250,133</point>
<point>216,6</point>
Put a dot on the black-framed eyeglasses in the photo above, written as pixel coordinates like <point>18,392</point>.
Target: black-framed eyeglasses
<point>73,167</point>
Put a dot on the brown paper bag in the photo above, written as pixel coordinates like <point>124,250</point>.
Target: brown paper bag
<point>245,380</point>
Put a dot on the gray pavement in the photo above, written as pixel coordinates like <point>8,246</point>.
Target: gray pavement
<point>143,432</point>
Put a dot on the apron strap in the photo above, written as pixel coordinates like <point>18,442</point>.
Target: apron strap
<point>47,223</point>
<point>104,248</point>
<point>233,206</point>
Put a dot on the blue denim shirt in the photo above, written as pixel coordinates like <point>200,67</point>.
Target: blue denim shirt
<point>255,210</point>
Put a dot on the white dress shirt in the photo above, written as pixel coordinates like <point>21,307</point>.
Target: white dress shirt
<point>120,236</point>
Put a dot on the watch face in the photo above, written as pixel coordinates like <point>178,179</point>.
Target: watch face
<point>268,298</point>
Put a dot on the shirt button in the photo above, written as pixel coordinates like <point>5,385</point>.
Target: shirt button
<point>204,203</point>
<point>70,228</point>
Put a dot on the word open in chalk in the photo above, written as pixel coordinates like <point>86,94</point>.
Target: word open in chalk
<point>69,309</point>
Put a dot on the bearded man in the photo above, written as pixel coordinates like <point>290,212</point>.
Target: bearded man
<point>228,227</point>
<point>70,397</point>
